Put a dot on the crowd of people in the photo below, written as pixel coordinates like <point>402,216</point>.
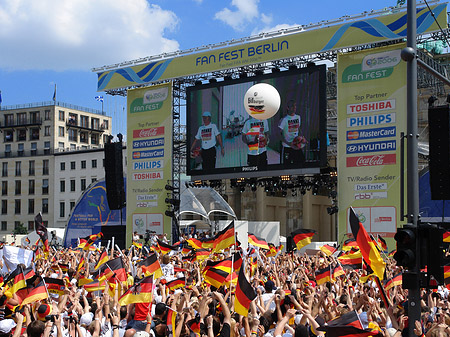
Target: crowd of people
<point>289,298</point>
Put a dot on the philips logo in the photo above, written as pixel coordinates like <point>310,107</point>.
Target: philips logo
<point>371,120</point>
<point>382,60</point>
<point>389,145</point>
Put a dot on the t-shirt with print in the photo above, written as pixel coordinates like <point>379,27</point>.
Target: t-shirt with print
<point>207,134</point>
<point>255,130</point>
<point>290,125</point>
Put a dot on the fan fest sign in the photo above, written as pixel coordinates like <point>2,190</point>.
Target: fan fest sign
<point>149,153</point>
<point>371,117</point>
<point>203,60</point>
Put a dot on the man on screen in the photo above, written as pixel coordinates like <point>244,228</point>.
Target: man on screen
<point>293,142</point>
<point>209,135</point>
<point>255,134</point>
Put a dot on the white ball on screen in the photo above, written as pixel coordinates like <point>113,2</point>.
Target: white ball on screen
<point>262,101</point>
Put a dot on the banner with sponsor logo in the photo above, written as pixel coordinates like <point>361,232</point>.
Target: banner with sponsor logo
<point>149,153</point>
<point>371,117</point>
<point>273,46</point>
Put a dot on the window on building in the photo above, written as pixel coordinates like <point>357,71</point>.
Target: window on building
<point>30,206</point>
<point>61,131</point>
<point>63,166</point>
<point>9,120</point>
<point>31,168</point>
<point>31,225</point>
<point>20,150</point>
<point>105,124</point>
<point>35,117</point>
<point>33,149</point>
<point>73,147</point>
<point>44,186</point>
<point>4,169</point>
<point>47,115</point>
<point>72,205</point>
<point>16,224</point>
<point>94,163</point>
<point>5,187</point>
<point>46,147</point>
<point>72,185</point>
<point>21,135</point>
<point>72,119</point>
<point>4,206</point>
<point>73,136</point>
<point>62,186</point>
<point>95,123</point>
<point>17,204</point>
<point>44,206</point>
<point>83,164</point>
<point>84,138</point>
<point>94,139</point>
<point>18,187</point>
<point>61,145</point>
<point>61,115</point>
<point>62,209</point>
<point>93,179</point>
<point>31,186</point>
<point>47,130</point>
<point>83,184</point>
<point>45,167</point>
<point>18,168</point>
<point>84,121</point>
<point>73,165</point>
<point>34,134</point>
<point>9,136</point>
<point>5,226</point>
<point>22,118</point>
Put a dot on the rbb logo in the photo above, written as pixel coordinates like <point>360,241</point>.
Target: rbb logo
<point>363,196</point>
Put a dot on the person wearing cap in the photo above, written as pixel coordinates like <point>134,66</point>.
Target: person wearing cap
<point>255,134</point>
<point>209,136</point>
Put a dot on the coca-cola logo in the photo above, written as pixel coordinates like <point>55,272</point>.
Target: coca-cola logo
<point>146,133</point>
<point>375,160</point>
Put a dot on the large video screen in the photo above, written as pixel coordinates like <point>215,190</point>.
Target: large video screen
<point>224,141</point>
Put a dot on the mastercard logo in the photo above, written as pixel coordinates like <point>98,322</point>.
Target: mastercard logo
<point>136,155</point>
<point>352,135</point>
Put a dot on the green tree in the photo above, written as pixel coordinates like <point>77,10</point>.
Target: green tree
<point>21,229</point>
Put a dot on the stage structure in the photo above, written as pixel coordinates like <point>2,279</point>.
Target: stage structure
<point>270,52</point>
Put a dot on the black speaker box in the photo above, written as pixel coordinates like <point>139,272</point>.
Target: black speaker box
<point>119,233</point>
<point>439,163</point>
<point>115,192</point>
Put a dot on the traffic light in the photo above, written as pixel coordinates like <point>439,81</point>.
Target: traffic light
<point>432,251</point>
<point>406,246</point>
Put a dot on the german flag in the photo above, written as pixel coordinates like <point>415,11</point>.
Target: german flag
<point>337,271</point>
<point>382,244</point>
<point>207,243</point>
<point>171,315</point>
<point>87,242</point>
<point>323,275</point>
<point>84,280</point>
<point>253,266</point>
<point>350,318</point>
<point>177,283</point>
<point>80,264</point>
<point>272,251</point>
<point>138,245</point>
<point>28,273</point>
<point>447,270</point>
<point>27,240</point>
<point>215,277</point>
<point>194,243</point>
<point>95,286</point>
<point>396,280</point>
<point>186,249</point>
<point>201,254</point>
<point>232,279</point>
<point>237,261</point>
<point>116,265</point>
<point>102,259</point>
<point>245,294</point>
<point>302,237</point>
<point>55,285</point>
<point>382,293</point>
<point>224,265</point>
<point>41,230</point>
<point>165,248</point>
<point>352,260</point>
<point>446,236</point>
<point>349,244</point>
<point>391,254</point>
<point>257,242</point>
<point>140,292</point>
<point>194,326</point>
<point>38,293</point>
<point>14,282</point>
<point>327,249</point>
<point>179,270</point>
<point>368,249</point>
<point>225,238</point>
<point>112,289</point>
<point>151,266</point>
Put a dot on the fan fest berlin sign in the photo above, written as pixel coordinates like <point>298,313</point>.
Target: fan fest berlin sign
<point>149,153</point>
<point>371,116</point>
<point>368,30</point>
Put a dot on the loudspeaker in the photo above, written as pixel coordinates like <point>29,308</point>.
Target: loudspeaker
<point>115,192</point>
<point>439,163</point>
<point>119,233</point>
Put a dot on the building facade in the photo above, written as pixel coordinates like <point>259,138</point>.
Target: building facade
<point>49,154</point>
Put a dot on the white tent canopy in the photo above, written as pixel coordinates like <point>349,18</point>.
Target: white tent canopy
<point>203,201</point>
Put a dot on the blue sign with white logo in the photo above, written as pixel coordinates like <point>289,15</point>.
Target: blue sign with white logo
<point>371,133</point>
<point>148,154</point>
<point>389,145</point>
<point>138,144</point>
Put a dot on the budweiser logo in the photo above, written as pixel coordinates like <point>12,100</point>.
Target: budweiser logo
<point>151,132</point>
<point>375,160</point>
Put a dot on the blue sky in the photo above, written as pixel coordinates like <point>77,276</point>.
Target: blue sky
<point>59,41</point>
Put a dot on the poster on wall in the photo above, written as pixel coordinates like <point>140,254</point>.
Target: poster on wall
<point>371,117</point>
<point>149,163</point>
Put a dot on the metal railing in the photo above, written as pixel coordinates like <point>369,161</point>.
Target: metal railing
<point>51,103</point>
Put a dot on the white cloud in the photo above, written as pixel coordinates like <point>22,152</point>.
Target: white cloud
<point>246,11</point>
<point>81,34</point>
<point>267,29</point>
